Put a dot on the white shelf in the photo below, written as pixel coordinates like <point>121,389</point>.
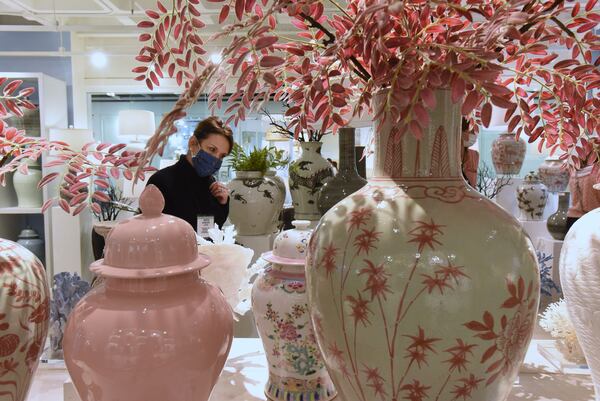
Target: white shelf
<point>21,210</point>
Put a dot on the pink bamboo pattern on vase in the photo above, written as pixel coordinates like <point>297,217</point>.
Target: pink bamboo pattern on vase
<point>498,342</point>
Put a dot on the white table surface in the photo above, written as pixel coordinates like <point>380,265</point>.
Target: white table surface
<point>245,375</point>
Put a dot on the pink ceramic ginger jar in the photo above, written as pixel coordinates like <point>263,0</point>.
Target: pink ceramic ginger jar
<point>24,311</point>
<point>155,331</point>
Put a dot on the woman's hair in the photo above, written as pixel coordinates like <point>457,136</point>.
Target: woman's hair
<point>213,126</point>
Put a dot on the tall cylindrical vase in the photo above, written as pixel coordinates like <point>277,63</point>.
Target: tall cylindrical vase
<point>24,312</point>
<point>8,197</point>
<point>422,287</point>
<point>579,279</point>
<point>346,181</point>
<point>272,174</point>
<point>307,176</point>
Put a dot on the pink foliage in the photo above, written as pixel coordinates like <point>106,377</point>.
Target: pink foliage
<point>486,53</point>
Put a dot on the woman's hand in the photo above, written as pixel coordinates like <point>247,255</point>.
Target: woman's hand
<point>220,192</point>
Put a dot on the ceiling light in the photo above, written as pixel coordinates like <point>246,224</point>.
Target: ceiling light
<point>216,58</point>
<point>98,59</point>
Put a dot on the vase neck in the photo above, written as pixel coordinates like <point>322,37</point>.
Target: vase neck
<point>347,158</point>
<point>564,200</point>
<point>311,147</point>
<point>435,156</point>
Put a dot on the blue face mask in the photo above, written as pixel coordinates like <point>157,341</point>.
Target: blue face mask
<point>206,164</point>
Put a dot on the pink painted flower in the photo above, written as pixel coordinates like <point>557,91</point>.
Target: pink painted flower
<point>287,331</point>
<point>425,234</point>
<point>377,279</point>
<point>360,310</point>
<point>359,217</point>
<point>365,241</point>
<point>328,259</point>
<point>459,355</point>
<point>417,349</point>
<point>375,381</point>
<point>416,391</point>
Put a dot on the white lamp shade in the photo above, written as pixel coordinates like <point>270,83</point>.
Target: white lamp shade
<point>136,123</point>
<point>75,138</point>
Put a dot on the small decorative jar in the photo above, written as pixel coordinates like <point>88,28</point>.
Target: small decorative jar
<point>155,330</point>
<point>26,185</point>
<point>532,195</point>
<point>32,241</point>
<point>553,175</point>
<point>280,304</point>
<point>508,154</point>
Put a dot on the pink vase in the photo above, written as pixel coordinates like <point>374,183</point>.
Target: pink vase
<point>420,288</point>
<point>24,313</point>
<point>554,176</point>
<point>155,331</point>
<point>508,154</point>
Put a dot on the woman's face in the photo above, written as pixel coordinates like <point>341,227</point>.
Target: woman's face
<point>213,144</point>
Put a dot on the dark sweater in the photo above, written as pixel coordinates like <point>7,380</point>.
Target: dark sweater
<point>187,195</point>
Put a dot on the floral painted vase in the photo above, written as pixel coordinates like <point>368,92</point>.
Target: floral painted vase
<point>580,279</point>
<point>155,330</point>
<point>282,190</point>
<point>347,180</point>
<point>307,176</point>
<point>255,202</point>
<point>280,306</point>
<point>508,154</point>
<point>553,175</point>
<point>24,312</point>
<point>419,287</point>
<point>532,196</point>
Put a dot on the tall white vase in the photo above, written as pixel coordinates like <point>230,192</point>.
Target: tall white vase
<point>8,197</point>
<point>580,281</point>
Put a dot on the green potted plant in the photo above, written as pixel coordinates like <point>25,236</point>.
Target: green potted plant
<point>256,199</point>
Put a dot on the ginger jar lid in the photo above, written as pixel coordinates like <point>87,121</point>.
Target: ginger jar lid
<point>290,246</point>
<point>151,244</point>
<point>531,177</point>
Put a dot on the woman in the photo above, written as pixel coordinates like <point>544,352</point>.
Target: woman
<point>189,188</point>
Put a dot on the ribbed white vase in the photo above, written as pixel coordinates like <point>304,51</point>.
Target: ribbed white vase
<point>580,281</point>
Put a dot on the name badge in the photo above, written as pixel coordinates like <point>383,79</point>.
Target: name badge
<point>204,223</point>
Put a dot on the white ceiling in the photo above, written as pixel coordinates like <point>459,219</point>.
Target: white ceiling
<point>116,17</point>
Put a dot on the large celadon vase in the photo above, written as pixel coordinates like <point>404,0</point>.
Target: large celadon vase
<point>420,288</point>
<point>580,282</point>
<point>24,315</point>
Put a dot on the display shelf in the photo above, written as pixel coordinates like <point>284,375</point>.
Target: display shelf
<point>547,348</point>
<point>50,97</point>
<point>20,210</point>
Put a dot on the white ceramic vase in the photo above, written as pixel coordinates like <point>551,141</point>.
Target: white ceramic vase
<point>281,187</point>
<point>307,176</point>
<point>580,282</point>
<point>28,193</point>
<point>553,175</point>
<point>419,287</point>
<point>280,306</point>
<point>255,200</point>
<point>532,196</point>
<point>508,154</point>
<point>30,239</point>
<point>8,197</point>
